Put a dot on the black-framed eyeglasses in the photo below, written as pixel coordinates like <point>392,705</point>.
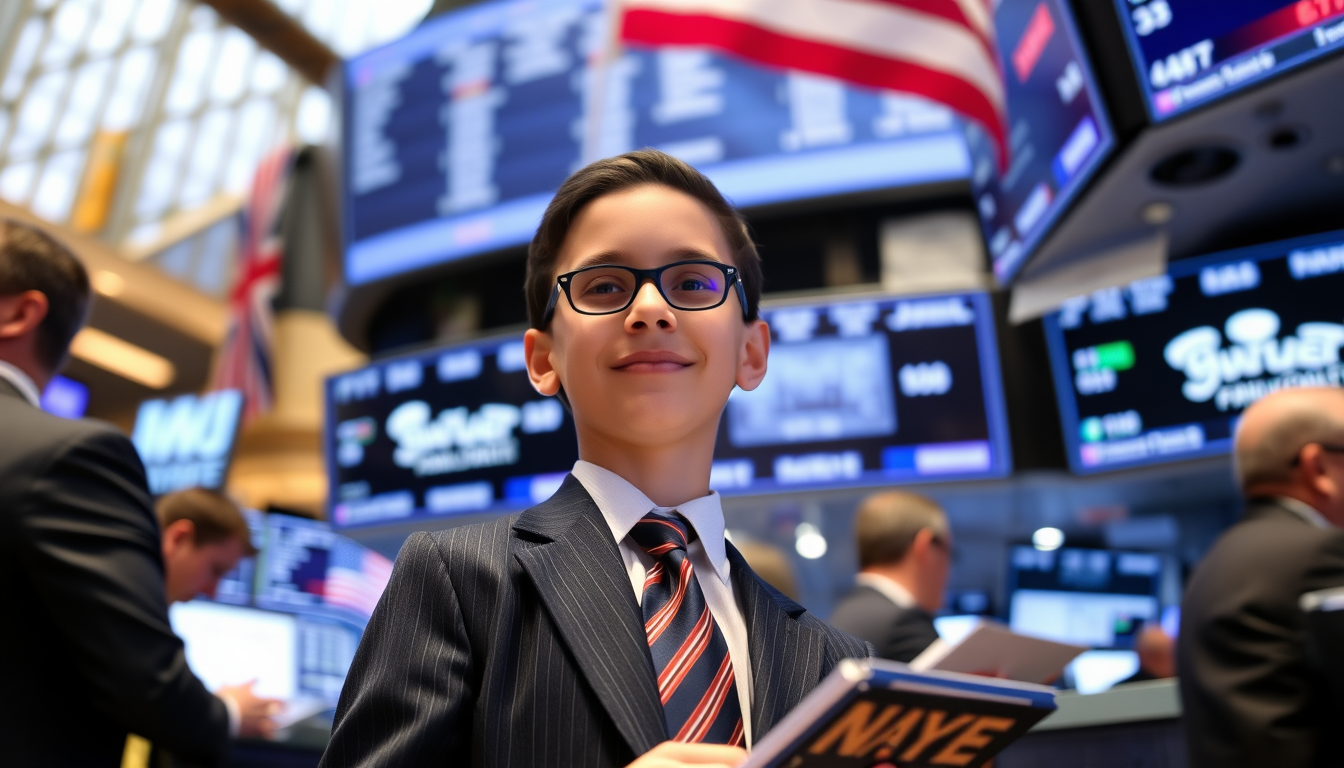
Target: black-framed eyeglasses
<point>606,289</point>
<point>1327,447</point>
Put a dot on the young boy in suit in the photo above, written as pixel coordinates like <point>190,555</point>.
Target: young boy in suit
<point>612,624</point>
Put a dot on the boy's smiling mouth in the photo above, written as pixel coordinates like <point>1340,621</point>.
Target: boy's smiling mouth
<point>651,361</point>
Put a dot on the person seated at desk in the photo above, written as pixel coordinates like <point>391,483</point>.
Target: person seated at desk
<point>905,551</point>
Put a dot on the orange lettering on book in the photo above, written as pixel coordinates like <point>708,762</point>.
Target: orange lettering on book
<point>857,730</point>
<point>933,730</point>
<point>974,738</point>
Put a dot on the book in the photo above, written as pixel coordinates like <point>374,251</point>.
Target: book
<point>882,714</point>
<point>992,649</point>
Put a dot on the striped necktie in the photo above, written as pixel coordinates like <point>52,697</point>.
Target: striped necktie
<point>690,655</point>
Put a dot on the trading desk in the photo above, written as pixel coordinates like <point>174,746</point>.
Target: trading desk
<point>1134,724</point>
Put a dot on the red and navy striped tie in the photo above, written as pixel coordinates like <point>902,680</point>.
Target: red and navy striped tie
<point>690,655</point>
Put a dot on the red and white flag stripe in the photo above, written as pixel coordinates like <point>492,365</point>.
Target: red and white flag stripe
<point>941,49</point>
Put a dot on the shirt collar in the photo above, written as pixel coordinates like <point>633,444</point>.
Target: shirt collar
<point>1302,510</point>
<point>890,589</point>
<point>622,505</point>
<point>27,389</point>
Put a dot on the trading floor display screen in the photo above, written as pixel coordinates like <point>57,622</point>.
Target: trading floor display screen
<point>1058,133</point>
<point>1099,598</point>
<point>452,431</point>
<point>456,136</point>
<point>869,391</point>
<point>1192,52</point>
<point>1161,369</point>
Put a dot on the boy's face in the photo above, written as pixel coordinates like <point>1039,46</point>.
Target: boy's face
<point>650,374</point>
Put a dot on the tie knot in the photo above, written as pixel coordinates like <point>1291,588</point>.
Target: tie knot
<point>659,534</point>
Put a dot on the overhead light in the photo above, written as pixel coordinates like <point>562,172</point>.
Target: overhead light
<point>808,541</point>
<point>108,283</point>
<point>1047,539</point>
<point>123,358</point>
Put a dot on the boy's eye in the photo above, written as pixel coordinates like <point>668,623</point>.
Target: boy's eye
<point>605,287</point>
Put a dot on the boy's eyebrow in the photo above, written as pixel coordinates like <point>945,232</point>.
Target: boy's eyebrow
<point>615,257</point>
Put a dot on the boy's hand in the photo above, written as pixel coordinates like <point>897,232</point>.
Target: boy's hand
<point>674,754</point>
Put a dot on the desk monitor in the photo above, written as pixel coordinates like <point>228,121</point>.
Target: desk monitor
<point>869,391</point>
<point>1193,52</point>
<point>236,586</point>
<point>1059,134</point>
<point>1094,597</point>
<point>457,135</point>
<point>452,431</point>
<point>308,568</point>
<point>1160,369</point>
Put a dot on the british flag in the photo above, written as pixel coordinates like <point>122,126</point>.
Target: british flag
<point>943,50</point>
<point>356,577</point>
<point>245,357</point>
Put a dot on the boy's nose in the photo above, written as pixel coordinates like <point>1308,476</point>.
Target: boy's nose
<point>650,309</point>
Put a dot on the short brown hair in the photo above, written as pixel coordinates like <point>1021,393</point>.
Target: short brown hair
<point>617,174</point>
<point>215,517</point>
<point>887,524</point>
<point>31,260</point>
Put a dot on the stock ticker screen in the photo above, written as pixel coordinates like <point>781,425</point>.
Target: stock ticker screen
<point>1058,132</point>
<point>1161,369</point>
<point>452,431</point>
<point>1191,52</point>
<point>869,391</point>
<point>457,135</point>
<point>1099,598</point>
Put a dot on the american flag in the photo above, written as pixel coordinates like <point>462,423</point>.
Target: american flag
<point>245,358</point>
<point>943,50</point>
<point>356,577</point>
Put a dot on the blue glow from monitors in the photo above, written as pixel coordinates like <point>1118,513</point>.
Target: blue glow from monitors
<point>66,398</point>
<point>1160,370</point>
<point>452,431</point>
<point>1059,134</point>
<point>1192,52</point>
<point>869,391</point>
<point>458,135</point>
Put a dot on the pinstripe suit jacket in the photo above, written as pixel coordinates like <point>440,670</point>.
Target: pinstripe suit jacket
<point>520,643</point>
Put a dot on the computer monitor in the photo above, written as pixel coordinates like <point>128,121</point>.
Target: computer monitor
<point>1059,133</point>
<point>65,397</point>
<point>308,568</point>
<point>1094,597</point>
<point>451,431</point>
<point>869,391</point>
<point>1188,53</point>
<point>457,135</point>
<point>1161,369</point>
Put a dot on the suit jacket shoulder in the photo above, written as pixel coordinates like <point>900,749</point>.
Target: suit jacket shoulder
<point>896,633</point>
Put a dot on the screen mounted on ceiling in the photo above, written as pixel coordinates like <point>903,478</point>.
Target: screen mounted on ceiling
<point>1058,133</point>
<point>869,391</point>
<point>451,431</point>
<point>456,136</point>
<point>1160,369</point>
<point>1192,52</point>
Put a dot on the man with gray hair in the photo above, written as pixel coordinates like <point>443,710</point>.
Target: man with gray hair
<point>1249,696</point>
<point>905,551</point>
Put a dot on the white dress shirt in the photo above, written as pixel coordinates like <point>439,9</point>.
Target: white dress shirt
<point>21,382</point>
<point>622,505</point>
<point>890,589</point>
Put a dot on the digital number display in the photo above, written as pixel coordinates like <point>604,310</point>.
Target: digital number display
<point>456,136</point>
<point>1160,369</point>
<point>1191,52</point>
<point>869,391</point>
<point>1058,131</point>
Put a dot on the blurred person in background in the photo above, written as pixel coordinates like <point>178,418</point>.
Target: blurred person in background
<point>1157,655</point>
<point>905,552</point>
<point>90,656</point>
<point>771,564</point>
<point>1248,695</point>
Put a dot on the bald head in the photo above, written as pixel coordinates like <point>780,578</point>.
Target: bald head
<point>1273,431</point>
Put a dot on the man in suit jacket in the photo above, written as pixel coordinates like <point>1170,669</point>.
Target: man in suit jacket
<point>1249,695</point>
<point>904,548</point>
<point>89,653</point>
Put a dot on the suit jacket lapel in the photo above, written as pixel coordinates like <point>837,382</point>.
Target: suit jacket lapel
<point>580,576</point>
<point>787,656</point>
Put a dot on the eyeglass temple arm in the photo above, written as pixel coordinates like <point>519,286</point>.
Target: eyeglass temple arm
<point>550,306</point>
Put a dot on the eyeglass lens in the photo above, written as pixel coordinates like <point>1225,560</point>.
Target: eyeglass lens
<point>611,289</point>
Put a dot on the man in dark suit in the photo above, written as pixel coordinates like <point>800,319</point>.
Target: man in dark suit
<point>612,624</point>
<point>1249,695</point>
<point>905,549</point>
<point>89,654</point>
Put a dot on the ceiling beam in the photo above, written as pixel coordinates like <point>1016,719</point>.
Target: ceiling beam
<point>281,34</point>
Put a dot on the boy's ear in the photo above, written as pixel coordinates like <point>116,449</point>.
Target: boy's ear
<point>755,350</point>
<point>537,349</point>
